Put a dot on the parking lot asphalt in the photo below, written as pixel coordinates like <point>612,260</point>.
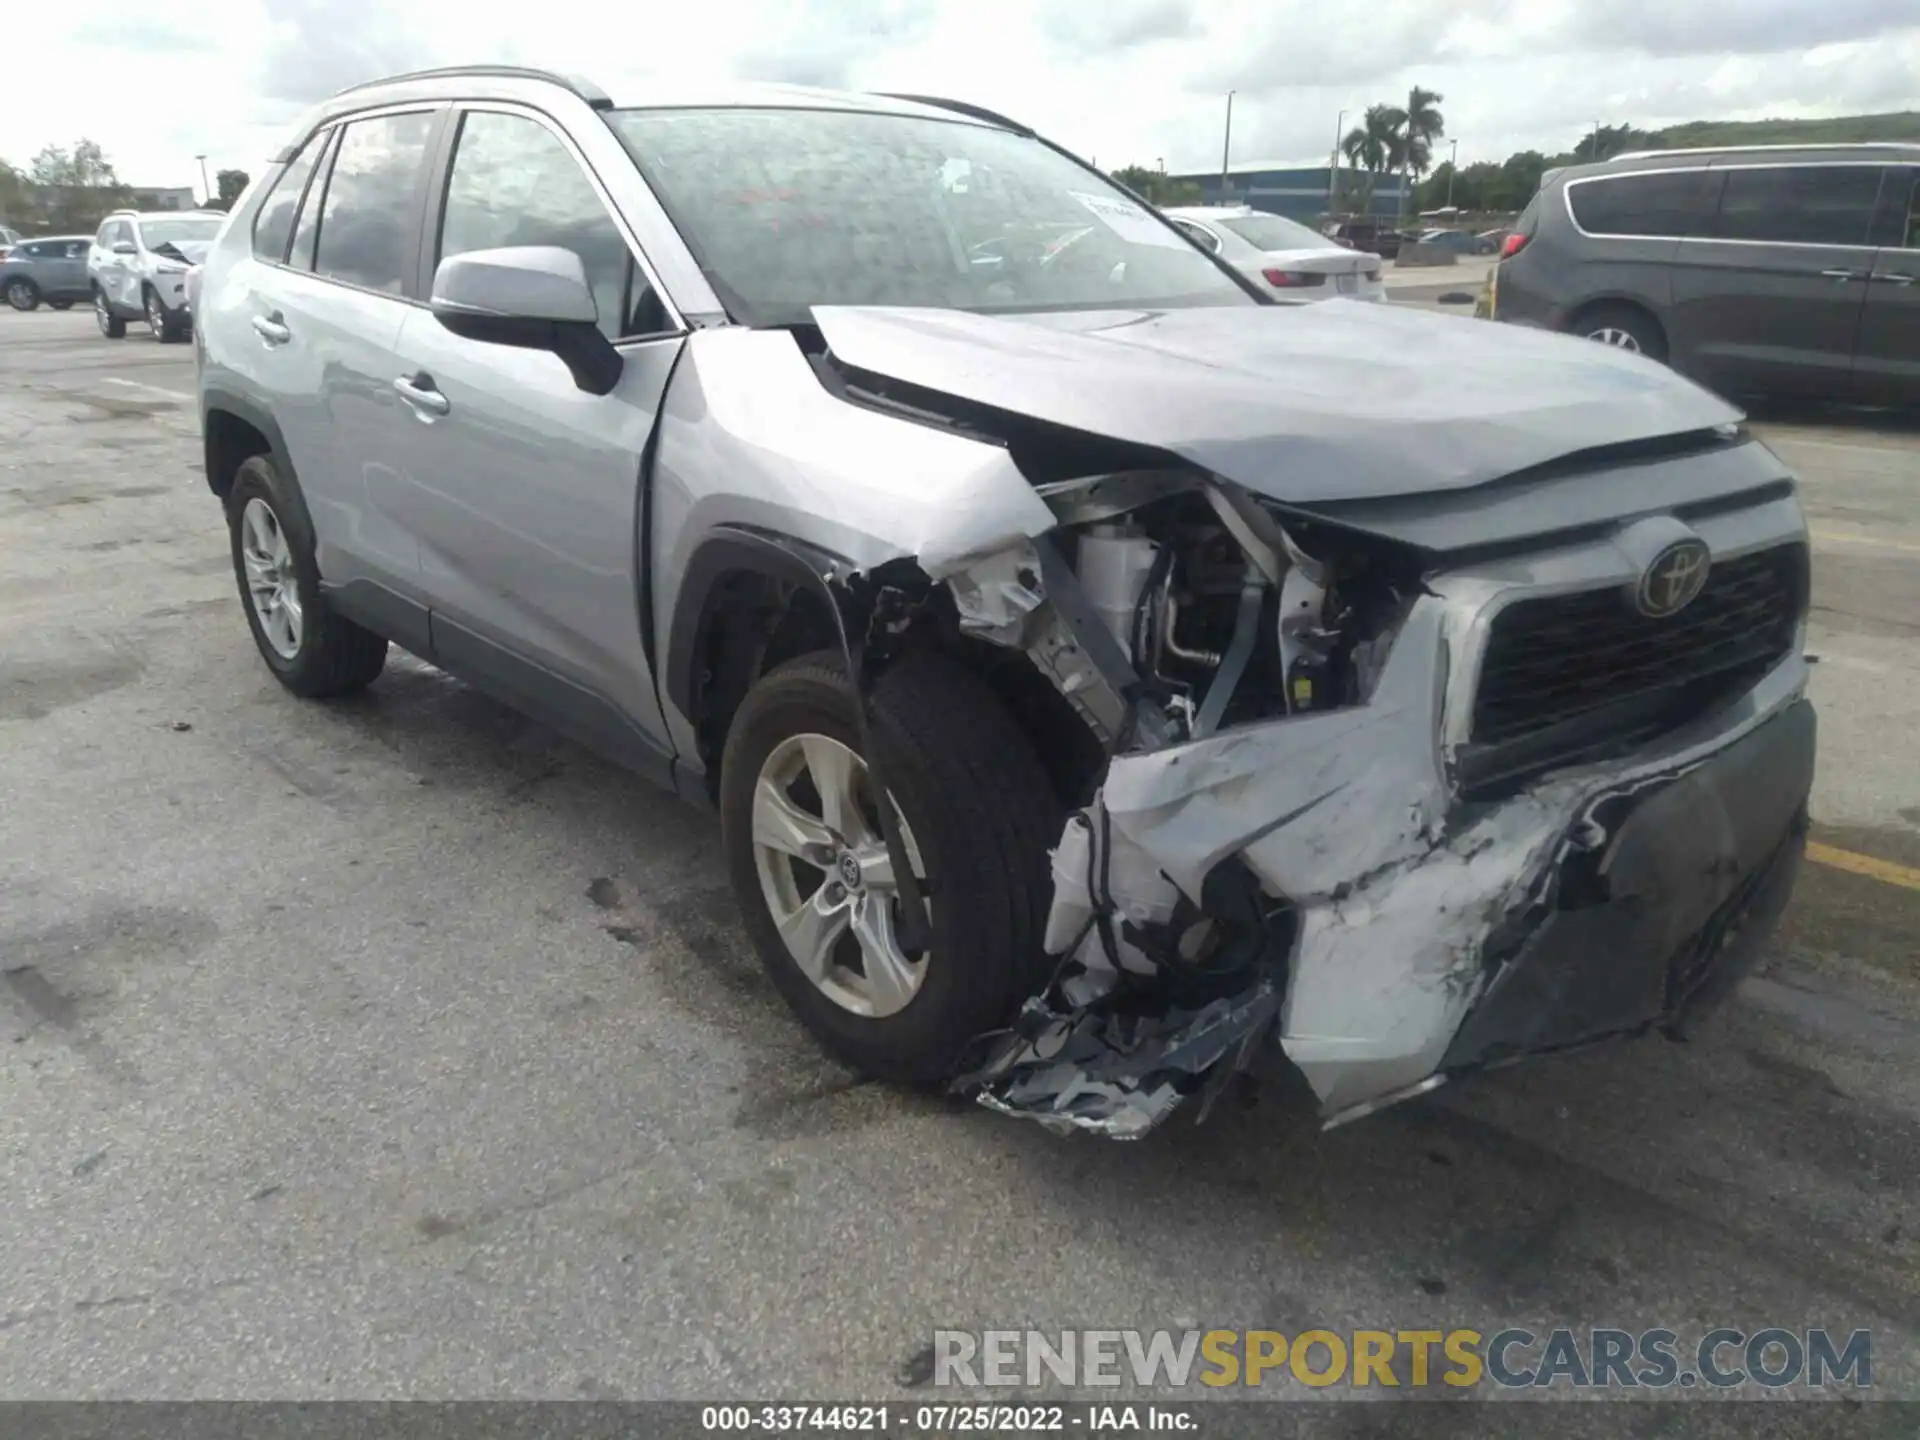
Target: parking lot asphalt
<point>394,1047</point>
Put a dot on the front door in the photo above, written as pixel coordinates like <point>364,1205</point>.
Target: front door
<point>524,491</point>
<point>1886,364</point>
<point>1770,296</point>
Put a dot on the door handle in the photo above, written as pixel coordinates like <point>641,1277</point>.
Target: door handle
<point>418,391</point>
<point>1843,275</point>
<point>1894,277</point>
<point>269,329</point>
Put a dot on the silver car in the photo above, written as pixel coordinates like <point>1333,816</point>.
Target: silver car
<point>137,269</point>
<point>1295,263</point>
<point>1108,680</point>
<point>46,270</point>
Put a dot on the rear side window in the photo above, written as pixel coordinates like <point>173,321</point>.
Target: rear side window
<point>1204,239</point>
<point>1661,206</point>
<point>274,226</point>
<point>370,193</point>
<point>1800,204</point>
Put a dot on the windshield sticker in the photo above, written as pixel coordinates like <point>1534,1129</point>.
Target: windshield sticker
<point>1129,221</point>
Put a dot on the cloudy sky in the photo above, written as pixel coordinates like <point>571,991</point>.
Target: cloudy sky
<point>1118,80</point>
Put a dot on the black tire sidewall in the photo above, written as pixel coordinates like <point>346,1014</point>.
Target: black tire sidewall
<point>1645,334</point>
<point>968,984</point>
<point>257,479</point>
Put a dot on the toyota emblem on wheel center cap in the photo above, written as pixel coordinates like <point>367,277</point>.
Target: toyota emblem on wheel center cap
<point>1674,579</point>
<point>849,867</point>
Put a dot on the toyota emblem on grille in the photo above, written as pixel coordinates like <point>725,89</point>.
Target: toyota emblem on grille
<point>1674,580</point>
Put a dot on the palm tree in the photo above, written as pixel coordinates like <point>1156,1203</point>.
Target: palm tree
<point>1373,145</point>
<point>1417,128</point>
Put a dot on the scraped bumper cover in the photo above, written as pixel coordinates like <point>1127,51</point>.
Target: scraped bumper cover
<point>1430,935</point>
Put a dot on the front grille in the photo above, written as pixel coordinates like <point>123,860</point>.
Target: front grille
<point>1560,660</point>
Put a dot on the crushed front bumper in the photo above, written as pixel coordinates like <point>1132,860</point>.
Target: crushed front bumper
<point>1429,935</point>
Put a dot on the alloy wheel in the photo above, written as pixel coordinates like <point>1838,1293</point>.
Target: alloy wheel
<point>827,879</point>
<point>272,588</point>
<point>1616,337</point>
<point>156,318</point>
<point>20,295</point>
<point>101,316</point>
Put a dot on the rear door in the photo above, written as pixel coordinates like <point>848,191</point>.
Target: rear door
<point>523,490</point>
<point>1886,362</point>
<point>1771,295</point>
<point>67,267</point>
<point>321,309</point>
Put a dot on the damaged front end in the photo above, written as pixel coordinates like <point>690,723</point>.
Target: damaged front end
<point>1400,819</point>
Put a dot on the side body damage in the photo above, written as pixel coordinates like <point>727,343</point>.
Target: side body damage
<point>1347,810</point>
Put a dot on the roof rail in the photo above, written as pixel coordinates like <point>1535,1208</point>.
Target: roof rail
<point>585,89</point>
<point>961,107</point>
<point>1761,149</point>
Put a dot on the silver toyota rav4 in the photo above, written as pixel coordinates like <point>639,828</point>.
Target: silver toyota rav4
<point>1108,680</point>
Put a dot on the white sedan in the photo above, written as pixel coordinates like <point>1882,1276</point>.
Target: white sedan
<point>1283,256</point>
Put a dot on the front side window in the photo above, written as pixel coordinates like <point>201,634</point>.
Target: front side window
<point>370,194</point>
<point>1800,204</point>
<point>789,209</point>
<point>514,183</point>
<point>273,227</point>
<point>1274,232</point>
<point>1660,206</point>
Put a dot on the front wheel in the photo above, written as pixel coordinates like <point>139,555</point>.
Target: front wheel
<point>164,330</point>
<point>800,820</point>
<point>23,294</point>
<point>312,651</point>
<point>111,325</point>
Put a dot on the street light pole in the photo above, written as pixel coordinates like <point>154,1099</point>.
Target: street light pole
<point>1226,148</point>
<point>1333,160</point>
<point>206,190</point>
<point>1453,169</point>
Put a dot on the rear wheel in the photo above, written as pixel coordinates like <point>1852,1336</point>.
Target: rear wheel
<point>111,325</point>
<point>60,304</point>
<point>800,818</point>
<point>1624,327</point>
<point>23,294</point>
<point>312,651</point>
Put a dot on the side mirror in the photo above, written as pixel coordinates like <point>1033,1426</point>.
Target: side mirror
<point>124,247</point>
<point>532,297</point>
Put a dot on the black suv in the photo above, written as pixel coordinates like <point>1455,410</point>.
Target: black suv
<point>1790,271</point>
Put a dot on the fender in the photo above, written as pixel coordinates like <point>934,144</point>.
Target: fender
<point>212,398</point>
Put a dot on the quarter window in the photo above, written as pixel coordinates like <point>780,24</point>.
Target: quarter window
<point>370,193</point>
<point>274,227</point>
<point>1659,206</point>
<point>514,183</point>
<point>1800,204</point>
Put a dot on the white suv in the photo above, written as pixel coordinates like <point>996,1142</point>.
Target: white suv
<point>137,269</point>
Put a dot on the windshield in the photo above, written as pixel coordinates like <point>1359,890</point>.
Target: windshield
<point>1274,232</point>
<point>187,230</point>
<point>788,209</point>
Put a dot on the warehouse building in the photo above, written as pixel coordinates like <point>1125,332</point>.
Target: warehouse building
<point>1300,193</point>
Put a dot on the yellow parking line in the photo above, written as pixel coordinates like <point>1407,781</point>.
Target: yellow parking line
<point>1836,537</point>
<point>1874,868</point>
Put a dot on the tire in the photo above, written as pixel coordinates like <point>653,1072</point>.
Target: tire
<point>1626,327</point>
<point>970,792</point>
<point>23,294</point>
<point>111,325</point>
<point>60,304</point>
<point>164,330</point>
<point>329,655</point>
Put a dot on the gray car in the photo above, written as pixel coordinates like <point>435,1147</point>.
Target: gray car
<point>47,270</point>
<point>1780,271</point>
<point>1107,680</point>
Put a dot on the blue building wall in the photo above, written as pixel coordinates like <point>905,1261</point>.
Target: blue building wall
<point>1297,194</point>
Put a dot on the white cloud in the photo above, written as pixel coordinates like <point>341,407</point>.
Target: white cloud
<point>1118,80</point>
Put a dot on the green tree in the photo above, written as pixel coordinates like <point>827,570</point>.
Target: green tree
<point>1606,141</point>
<point>1373,146</point>
<point>232,184</point>
<point>1157,187</point>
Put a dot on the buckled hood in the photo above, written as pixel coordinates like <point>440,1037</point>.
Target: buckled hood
<point>1300,403</point>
